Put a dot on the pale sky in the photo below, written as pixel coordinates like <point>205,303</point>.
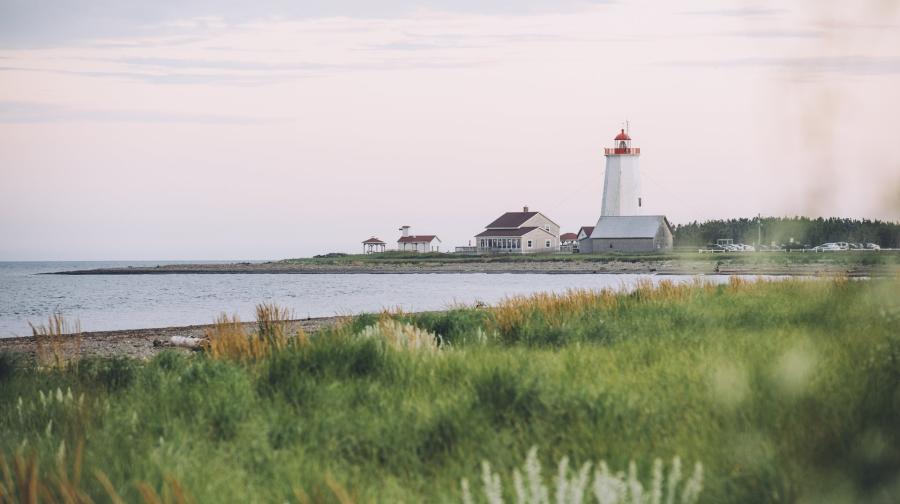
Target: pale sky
<point>214,130</point>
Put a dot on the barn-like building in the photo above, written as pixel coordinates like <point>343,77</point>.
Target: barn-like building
<point>628,233</point>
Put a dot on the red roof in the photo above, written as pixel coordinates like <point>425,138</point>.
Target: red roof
<point>622,136</point>
<point>568,237</point>
<point>374,241</point>
<point>417,239</point>
<point>588,230</point>
<point>511,220</point>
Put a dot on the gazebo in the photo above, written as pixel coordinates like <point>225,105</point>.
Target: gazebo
<point>373,245</point>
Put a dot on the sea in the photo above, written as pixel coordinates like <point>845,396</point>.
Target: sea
<point>112,302</point>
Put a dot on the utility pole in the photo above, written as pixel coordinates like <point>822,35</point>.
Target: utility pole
<point>758,231</point>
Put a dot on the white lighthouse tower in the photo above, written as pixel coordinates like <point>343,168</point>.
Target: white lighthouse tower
<point>622,183</point>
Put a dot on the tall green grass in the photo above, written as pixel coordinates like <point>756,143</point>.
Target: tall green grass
<point>785,391</point>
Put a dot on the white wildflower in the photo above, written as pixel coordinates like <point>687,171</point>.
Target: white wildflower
<point>674,480</point>
<point>656,485</point>
<point>693,486</point>
<point>608,489</point>
<point>402,336</point>
<point>562,481</point>
<point>539,494</point>
<point>519,487</point>
<point>466,494</point>
<point>634,486</point>
<point>579,484</point>
<point>493,490</point>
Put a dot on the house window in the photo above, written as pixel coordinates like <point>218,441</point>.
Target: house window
<point>547,228</point>
<point>529,244</point>
<point>547,244</point>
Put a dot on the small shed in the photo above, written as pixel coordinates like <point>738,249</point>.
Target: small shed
<point>373,245</point>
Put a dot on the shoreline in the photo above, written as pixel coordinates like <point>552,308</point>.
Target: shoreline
<point>141,343</point>
<point>548,267</point>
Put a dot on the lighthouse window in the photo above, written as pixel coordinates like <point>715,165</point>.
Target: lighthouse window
<point>622,144</point>
<point>639,202</point>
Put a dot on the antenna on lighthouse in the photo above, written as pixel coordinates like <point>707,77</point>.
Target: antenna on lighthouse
<point>627,126</point>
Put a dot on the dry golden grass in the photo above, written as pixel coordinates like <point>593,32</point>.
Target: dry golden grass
<point>58,342</point>
<point>555,310</point>
<point>228,338</point>
<point>272,320</point>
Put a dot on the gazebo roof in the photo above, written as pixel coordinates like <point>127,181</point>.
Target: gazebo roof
<point>374,241</point>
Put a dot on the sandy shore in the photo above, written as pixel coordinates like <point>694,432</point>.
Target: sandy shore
<point>140,343</point>
<point>660,267</point>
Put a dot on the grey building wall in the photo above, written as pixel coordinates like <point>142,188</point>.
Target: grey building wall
<point>585,246</point>
<point>601,245</point>
<point>662,241</point>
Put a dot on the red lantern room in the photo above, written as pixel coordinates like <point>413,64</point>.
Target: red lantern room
<point>623,145</point>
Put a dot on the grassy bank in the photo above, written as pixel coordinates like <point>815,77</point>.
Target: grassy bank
<point>785,391</point>
<point>887,257</point>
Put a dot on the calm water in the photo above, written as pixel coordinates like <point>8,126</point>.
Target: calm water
<point>139,301</point>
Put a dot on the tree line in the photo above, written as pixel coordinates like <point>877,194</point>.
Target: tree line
<point>784,231</point>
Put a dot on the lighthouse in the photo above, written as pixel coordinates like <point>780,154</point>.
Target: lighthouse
<point>622,183</point>
<point>621,226</point>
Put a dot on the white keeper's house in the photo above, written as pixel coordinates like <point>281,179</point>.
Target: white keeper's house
<point>522,232</point>
<point>417,243</point>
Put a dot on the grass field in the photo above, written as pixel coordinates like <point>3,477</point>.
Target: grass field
<point>785,391</point>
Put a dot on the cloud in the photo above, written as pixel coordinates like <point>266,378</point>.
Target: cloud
<point>31,112</point>
<point>776,34</point>
<point>175,71</point>
<point>848,65</point>
<point>43,23</point>
<point>740,12</point>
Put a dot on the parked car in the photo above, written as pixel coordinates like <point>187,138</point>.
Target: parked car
<point>873,246</point>
<point>828,247</point>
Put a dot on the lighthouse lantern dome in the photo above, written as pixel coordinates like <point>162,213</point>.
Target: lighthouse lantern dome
<point>623,141</point>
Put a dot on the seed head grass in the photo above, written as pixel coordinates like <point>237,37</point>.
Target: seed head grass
<point>58,342</point>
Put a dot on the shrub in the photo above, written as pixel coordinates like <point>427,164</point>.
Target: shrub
<point>508,396</point>
<point>9,364</point>
<point>112,373</point>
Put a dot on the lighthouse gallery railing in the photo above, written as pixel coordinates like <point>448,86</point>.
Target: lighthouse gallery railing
<point>630,150</point>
